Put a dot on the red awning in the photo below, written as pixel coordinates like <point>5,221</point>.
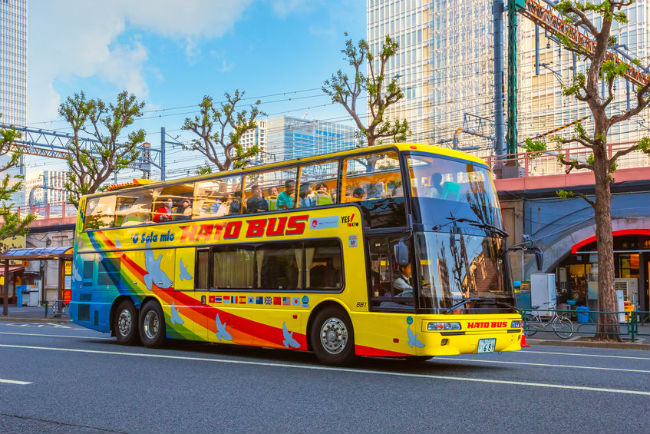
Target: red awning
<point>12,269</point>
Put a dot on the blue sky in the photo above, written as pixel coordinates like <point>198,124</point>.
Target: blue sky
<point>171,53</point>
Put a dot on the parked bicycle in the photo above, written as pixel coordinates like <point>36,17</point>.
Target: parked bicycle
<point>560,324</point>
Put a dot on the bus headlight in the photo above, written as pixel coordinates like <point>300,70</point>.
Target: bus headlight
<point>515,324</point>
<point>440,326</point>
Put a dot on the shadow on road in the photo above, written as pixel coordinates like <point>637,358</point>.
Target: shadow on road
<point>274,355</point>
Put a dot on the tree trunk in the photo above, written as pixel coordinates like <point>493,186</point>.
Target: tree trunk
<point>608,327</point>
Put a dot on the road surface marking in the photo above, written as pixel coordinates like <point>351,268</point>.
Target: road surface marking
<point>55,336</point>
<point>327,368</point>
<point>21,383</point>
<point>37,325</point>
<point>548,365</point>
<point>581,354</point>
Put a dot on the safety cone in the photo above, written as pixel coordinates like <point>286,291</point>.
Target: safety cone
<point>523,340</point>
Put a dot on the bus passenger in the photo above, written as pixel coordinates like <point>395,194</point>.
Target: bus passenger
<point>358,194</point>
<point>285,199</point>
<point>164,213</point>
<point>322,195</point>
<point>256,203</point>
<point>305,200</point>
<point>184,211</point>
<point>273,195</point>
<point>235,205</point>
<point>222,207</point>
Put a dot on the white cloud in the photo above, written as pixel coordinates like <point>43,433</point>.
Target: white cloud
<point>79,38</point>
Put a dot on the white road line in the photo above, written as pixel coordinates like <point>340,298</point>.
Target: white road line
<point>20,383</point>
<point>546,365</point>
<point>326,368</point>
<point>580,354</point>
<point>56,336</point>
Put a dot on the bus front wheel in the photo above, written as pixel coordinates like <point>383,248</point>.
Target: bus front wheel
<point>126,323</point>
<point>332,337</point>
<point>152,325</point>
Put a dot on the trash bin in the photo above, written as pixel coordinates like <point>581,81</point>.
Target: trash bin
<point>583,314</point>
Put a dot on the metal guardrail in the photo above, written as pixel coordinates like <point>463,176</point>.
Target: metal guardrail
<point>55,309</point>
<point>49,210</point>
<point>546,163</point>
<point>586,322</point>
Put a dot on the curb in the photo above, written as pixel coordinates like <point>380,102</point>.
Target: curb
<point>37,320</point>
<point>615,345</point>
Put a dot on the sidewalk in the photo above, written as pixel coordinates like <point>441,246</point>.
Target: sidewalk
<point>33,314</point>
<point>584,334</point>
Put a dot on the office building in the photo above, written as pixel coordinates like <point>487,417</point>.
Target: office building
<point>285,138</point>
<point>445,65</point>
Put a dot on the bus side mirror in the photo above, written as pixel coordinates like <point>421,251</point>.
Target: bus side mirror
<point>401,252</point>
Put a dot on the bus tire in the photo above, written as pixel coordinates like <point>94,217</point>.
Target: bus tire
<point>332,337</point>
<point>125,323</point>
<point>152,325</point>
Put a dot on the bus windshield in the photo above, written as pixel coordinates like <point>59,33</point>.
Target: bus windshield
<point>447,192</point>
<point>454,267</point>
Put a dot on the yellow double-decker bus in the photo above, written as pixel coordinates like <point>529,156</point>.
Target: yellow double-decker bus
<point>390,251</point>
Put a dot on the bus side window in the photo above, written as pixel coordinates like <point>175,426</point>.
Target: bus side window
<point>133,208</point>
<point>374,180</point>
<point>318,184</point>
<point>202,273</point>
<point>217,197</point>
<point>323,260</point>
<point>100,212</point>
<point>280,265</point>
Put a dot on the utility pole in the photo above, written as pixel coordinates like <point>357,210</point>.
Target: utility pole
<point>162,153</point>
<point>514,6</point>
<point>499,124</point>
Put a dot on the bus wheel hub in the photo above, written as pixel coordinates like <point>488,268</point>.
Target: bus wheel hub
<point>334,335</point>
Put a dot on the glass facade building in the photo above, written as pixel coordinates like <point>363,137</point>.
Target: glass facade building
<point>286,138</point>
<point>13,61</point>
<point>13,71</point>
<point>445,65</point>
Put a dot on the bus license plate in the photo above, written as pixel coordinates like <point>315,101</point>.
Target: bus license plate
<point>486,345</point>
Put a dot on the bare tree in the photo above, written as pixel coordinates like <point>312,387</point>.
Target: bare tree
<point>381,92</point>
<point>585,88</point>
<point>91,163</point>
<point>11,223</point>
<point>220,130</point>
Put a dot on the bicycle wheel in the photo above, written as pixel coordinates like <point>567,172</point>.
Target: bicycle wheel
<point>533,325</point>
<point>563,328</point>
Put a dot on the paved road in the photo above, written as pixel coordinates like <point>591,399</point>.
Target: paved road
<point>77,380</point>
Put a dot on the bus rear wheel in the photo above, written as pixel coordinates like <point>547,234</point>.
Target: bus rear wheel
<point>152,325</point>
<point>332,337</point>
<point>125,323</point>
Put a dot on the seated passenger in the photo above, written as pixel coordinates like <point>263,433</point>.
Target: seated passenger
<point>305,200</point>
<point>273,196</point>
<point>235,205</point>
<point>285,199</point>
<point>184,211</point>
<point>322,195</point>
<point>221,207</point>
<point>402,282</point>
<point>376,191</point>
<point>358,194</point>
<point>256,203</point>
<point>164,213</point>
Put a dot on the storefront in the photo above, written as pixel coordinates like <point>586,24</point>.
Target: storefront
<point>577,275</point>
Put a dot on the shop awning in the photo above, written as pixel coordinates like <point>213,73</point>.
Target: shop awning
<point>12,269</point>
<point>37,253</point>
